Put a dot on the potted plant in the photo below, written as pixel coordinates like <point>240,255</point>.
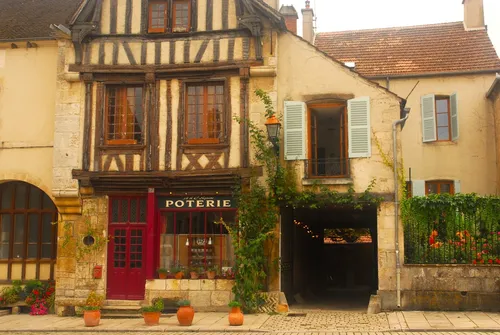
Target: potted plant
<point>185,313</point>
<point>178,271</point>
<point>194,273</point>
<point>92,309</point>
<point>151,313</point>
<point>211,272</point>
<point>162,273</point>
<point>235,315</point>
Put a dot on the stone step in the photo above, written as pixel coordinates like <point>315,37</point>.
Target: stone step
<point>120,308</point>
<point>123,302</point>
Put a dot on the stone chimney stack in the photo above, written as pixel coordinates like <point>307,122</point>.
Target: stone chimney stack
<point>307,23</point>
<point>291,18</point>
<point>272,3</point>
<point>473,14</point>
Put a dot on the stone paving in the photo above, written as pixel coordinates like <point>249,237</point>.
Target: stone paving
<point>318,322</point>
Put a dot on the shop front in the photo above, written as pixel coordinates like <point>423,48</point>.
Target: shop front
<point>170,233</point>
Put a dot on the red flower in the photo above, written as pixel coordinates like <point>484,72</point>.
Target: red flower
<point>36,292</point>
<point>474,262</point>
<point>490,261</point>
<point>497,261</point>
<point>482,261</point>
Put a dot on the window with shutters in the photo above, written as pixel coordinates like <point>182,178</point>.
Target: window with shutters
<point>205,113</point>
<point>439,118</point>
<point>439,187</point>
<point>124,114</point>
<point>328,155</point>
<point>170,16</point>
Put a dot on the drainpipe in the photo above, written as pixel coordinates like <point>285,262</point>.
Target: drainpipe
<point>396,200</point>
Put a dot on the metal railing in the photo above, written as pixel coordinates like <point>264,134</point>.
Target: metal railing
<point>452,237</point>
<point>327,167</point>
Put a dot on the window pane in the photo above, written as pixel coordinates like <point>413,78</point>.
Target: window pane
<point>115,203</point>
<point>47,228</point>
<point>35,201</point>
<point>432,188</point>
<point>442,120</point>
<point>18,250</point>
<point>142,210</point>
<point>442,106</point>
<point>443,133</point>
<point>21,190</point>
<point>7,191</point>
<point>33,228</point>
<point>47,251</point>
<point>445,188</point>
<point>6,226</point>
<point>47,203</point>
<point>32,251</point>
<point>19,228</point>
<point>133,210</point>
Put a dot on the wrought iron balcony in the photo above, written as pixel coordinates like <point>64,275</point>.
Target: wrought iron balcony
<point>327,167</point>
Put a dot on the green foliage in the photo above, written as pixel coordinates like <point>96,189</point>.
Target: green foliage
<point>234,303</point>
<point>444,229</point>
<point>11,295</point>
<point>183,303</point>
<point>94,302</point>
<point>72,240</point>
<point>162,270</point>
<point>266,99</point>
<point>156,306</point>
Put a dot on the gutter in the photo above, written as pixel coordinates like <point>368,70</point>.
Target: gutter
<point>27,39</point>
<point>396,199</point>
<point>437,74</point>
<point>493,86</point>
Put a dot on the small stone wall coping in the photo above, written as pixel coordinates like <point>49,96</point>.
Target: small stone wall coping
<point>451,265</point>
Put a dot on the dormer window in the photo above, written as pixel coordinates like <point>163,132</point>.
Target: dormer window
<point>169,16</point>
<point>158,16</point>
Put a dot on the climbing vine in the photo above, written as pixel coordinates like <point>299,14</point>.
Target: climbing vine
<point>258,210</point>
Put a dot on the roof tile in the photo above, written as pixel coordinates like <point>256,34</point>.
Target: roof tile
<point>426,49</point>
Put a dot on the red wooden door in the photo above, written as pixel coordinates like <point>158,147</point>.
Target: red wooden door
<point>126,275</point>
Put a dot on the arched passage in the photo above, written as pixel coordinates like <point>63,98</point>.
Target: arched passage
<point>28,237</point>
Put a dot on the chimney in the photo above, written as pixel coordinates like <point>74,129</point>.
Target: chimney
<point>473,14</point>
<point>291,17</point>
<point>307,23</point>
<point>272,3</point>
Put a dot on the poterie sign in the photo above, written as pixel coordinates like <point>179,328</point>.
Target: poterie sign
<point>196,202</point>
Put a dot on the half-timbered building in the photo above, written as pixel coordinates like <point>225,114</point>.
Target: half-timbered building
<point>149,91</point>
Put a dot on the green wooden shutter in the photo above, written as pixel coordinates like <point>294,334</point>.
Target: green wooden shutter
<point>295,131</point>
<point>358,120</point>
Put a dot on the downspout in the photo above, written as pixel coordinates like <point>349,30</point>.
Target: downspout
<point>396,200</point>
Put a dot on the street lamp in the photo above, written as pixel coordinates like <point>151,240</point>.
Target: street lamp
<point>273,132</point>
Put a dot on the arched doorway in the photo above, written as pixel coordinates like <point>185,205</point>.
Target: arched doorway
<point>28,237</point>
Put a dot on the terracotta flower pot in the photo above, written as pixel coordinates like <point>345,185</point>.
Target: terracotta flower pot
<point>179,275</point>
<point>91,318</point>
<point>185,315</point>
<point>151,318</point>
<point>211,274</point>
<point>194,275</point>
<point>162,275</point>
<point>235,317</point>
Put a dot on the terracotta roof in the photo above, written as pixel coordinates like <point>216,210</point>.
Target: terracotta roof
<point>21,19</point>
<point>427,49</point>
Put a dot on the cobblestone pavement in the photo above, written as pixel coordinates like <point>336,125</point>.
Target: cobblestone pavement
<point>273,333</point>
<point>329,321</point>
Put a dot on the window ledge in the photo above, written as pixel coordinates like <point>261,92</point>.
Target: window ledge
<point>327,181</point>
<point>123,147</point>
<point>441,143</point>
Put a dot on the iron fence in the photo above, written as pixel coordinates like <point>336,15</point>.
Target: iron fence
<point>452,236</point>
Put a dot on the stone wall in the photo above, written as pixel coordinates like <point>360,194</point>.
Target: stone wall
<point>204,294</point>
<point>448,287</point>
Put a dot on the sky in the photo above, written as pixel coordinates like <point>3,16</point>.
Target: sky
<point>338,15</point>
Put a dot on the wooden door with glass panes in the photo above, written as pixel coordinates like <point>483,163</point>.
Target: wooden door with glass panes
<point>126,274</point>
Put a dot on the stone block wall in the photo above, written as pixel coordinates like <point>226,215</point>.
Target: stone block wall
<point>447,287</point>
<point>204,294</point>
